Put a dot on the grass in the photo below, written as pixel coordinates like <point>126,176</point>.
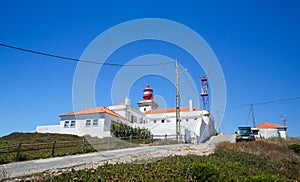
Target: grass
<point>263,160</point>
<point>275,149</point>
<point>36,137</point>
<point>164,142</point>
<point>31,144</point>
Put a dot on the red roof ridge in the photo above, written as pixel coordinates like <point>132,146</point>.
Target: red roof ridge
<point>269,125</point>
<point>95,110</point>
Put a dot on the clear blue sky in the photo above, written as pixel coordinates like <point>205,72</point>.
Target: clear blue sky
<point>256,42</point>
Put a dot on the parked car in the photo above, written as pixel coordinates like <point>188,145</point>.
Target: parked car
<point>244,134</point>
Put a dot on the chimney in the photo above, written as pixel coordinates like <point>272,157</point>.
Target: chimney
<point>191,107</point>
<point>127,101</point>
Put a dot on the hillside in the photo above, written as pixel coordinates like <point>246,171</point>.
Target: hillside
<point>27,146</point>
<point>19,137</point>
<point>262,160</point>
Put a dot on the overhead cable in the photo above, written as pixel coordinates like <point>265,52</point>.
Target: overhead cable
<point>273,101</point>
<point>78,60</point>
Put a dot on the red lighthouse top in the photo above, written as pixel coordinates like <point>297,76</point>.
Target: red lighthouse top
<point>148,93</point>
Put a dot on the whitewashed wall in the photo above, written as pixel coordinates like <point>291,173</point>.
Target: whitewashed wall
<point>48,129</point>
<point>271,133</point>
<point>101,130</point>
<point>196,130</point>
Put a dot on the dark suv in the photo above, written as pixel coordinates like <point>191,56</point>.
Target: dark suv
<point>244,134</point>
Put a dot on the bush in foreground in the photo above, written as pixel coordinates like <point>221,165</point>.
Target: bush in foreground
<point>295,148</point>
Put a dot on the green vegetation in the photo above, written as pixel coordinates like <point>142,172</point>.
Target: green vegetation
<point>263,160</point>
<point>122,130</point>
<point>40,145</point>
<point>295,148</point>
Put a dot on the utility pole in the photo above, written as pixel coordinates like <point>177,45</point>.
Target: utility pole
<point>283,120</point>
<point>252,110</point>
<point>177,105</point>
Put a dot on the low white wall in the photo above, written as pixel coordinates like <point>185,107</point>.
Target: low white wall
<point>159,128</point>
<point>48,129</point>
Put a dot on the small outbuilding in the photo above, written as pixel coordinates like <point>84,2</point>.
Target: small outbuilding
<point>270,130</point>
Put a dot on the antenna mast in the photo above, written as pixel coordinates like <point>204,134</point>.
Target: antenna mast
<point>204,93</point>
<point>283,120</point>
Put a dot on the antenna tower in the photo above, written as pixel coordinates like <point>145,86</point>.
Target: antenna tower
<point>204,93</point>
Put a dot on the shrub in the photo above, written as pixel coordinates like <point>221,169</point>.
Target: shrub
<point>123,130</point>
<point>202,172</point>
<point>295,148</point>
<point>264,178</point>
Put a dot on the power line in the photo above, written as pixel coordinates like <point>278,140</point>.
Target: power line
<point>272,101</point>
<point>261,103</point>
<point>78,60</point>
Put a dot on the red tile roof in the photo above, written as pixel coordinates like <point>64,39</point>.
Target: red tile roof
<point>269,125</point>
<point>97,110</point>
<point>170,110</point>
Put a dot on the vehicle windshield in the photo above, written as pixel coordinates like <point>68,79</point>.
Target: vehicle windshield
<point>245,130</point>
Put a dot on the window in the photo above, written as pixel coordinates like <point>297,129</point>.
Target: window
<point>162,121</point>
<point>72,124</point>
<point>95,122</point>
<point>88,123</point>
<point>132,118</point>
<point>144,109</point>
<point>255,132</point>
<point>135,119</point>
<point>154,121</point>
<point>66,124</point>
<point>187,120</point>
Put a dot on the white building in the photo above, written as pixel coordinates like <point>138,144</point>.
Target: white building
<point>196,124</point>
<point>92,121</point>
<point>269,130</point>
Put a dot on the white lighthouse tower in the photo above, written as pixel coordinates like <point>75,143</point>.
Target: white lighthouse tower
<point>148,103</point>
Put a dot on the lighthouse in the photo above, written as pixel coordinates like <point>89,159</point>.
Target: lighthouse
<point>148,93</point>
<point>148,103</point>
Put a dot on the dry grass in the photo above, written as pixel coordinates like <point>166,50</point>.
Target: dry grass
<point>276,149</point>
